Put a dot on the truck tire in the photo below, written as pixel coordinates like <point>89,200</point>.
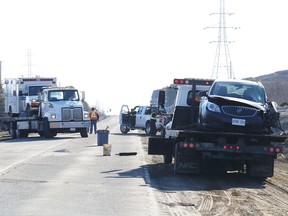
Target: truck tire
<point>149,129</point>
<point>167,158</point>
<point>124,129</point>
<point>28,111</point>
<point>12,130</point>
<point>41,134</point>
<point>12,114</point>
<point>84,132</point>
<point>175,168</point>
<point>46,129</point>
<point>21,133</point>
<point>162,131</point>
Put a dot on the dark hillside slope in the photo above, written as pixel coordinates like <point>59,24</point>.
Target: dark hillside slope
<point>276,85</point>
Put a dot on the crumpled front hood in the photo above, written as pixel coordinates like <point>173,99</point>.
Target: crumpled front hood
<point>220,100</point>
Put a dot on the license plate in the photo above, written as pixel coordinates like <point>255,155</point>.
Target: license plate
<point>72,129</point>
<point>238,122</point>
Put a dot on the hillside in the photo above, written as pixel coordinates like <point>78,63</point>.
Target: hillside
<point>276,86</point>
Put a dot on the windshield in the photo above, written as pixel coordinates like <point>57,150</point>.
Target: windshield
<point>245,91</point>
<point>34,90</point>
<point>71,95</point>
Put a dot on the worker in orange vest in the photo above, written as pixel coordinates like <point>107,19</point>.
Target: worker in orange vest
<point>94,117</point>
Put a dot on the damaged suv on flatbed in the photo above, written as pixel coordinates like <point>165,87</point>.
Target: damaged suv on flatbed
<point>237,106</point>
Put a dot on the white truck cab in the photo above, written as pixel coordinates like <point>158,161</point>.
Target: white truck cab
<point>62,111</point>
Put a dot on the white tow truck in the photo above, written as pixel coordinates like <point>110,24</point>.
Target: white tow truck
<point>60,111</point>
<point>21,94</point>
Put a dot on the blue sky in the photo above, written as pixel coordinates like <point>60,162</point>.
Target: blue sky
<point>119,51</point>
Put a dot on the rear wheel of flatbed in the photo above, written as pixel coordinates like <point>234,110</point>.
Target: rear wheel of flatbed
<point>150,128</point>
<point>176,164</point>
<point>167,158</point>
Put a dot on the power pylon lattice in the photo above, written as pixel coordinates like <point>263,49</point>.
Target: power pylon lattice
<point>222,66</point>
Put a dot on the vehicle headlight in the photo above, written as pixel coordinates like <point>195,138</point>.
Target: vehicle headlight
<point>86,115</point>
<point>53,116</point>
<point>213,107</point>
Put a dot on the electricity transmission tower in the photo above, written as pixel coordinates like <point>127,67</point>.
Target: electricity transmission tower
<point>222,67</point>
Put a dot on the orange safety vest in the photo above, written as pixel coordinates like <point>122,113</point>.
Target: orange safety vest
<point>93,115</point>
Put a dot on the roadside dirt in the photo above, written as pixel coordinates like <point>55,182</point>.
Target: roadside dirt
<point>216,194</point>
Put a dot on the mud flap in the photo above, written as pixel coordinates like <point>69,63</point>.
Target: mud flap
<point>261,168</point>
<point>160,146</point>
<point>187,164</point>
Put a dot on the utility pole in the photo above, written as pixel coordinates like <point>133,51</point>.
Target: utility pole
<point>222,67</point>
<point>29,63</point>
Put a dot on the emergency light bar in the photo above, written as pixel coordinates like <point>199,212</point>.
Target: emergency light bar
<point>22,80</point>
<point>192,81</point>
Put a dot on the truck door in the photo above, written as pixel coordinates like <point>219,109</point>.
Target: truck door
<point>125,116</point>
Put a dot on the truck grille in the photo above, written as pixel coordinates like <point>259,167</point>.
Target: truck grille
<point>72,114</point>
<point>239,111</point>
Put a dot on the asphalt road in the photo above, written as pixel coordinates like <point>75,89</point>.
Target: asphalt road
<point>69,175</point>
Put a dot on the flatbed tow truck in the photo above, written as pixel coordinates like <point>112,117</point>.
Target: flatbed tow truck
<point>60,110</point>
<point>196,150</point>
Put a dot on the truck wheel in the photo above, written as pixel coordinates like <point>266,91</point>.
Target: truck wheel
<point>124,129</point>
<point>12,130</point>
<point>18,133</point>
<point>176,171</point>
<point>21,133</point>
<point>84,132</point>
<point>11,114</point>
<point>149,130</point>
<point>167,158</point>
<point>28,111</point>
<point>162,132</point>
<point>46,129</point>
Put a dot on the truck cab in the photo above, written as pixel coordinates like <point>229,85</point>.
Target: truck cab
<point>62,111</point>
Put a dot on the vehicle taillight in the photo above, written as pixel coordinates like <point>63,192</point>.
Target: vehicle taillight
<point>185,145</point>
<point>231,147</point>
<point>191,145</point>
<point>271,149</point>
<point>179,81</point>
<point>278,150</point>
